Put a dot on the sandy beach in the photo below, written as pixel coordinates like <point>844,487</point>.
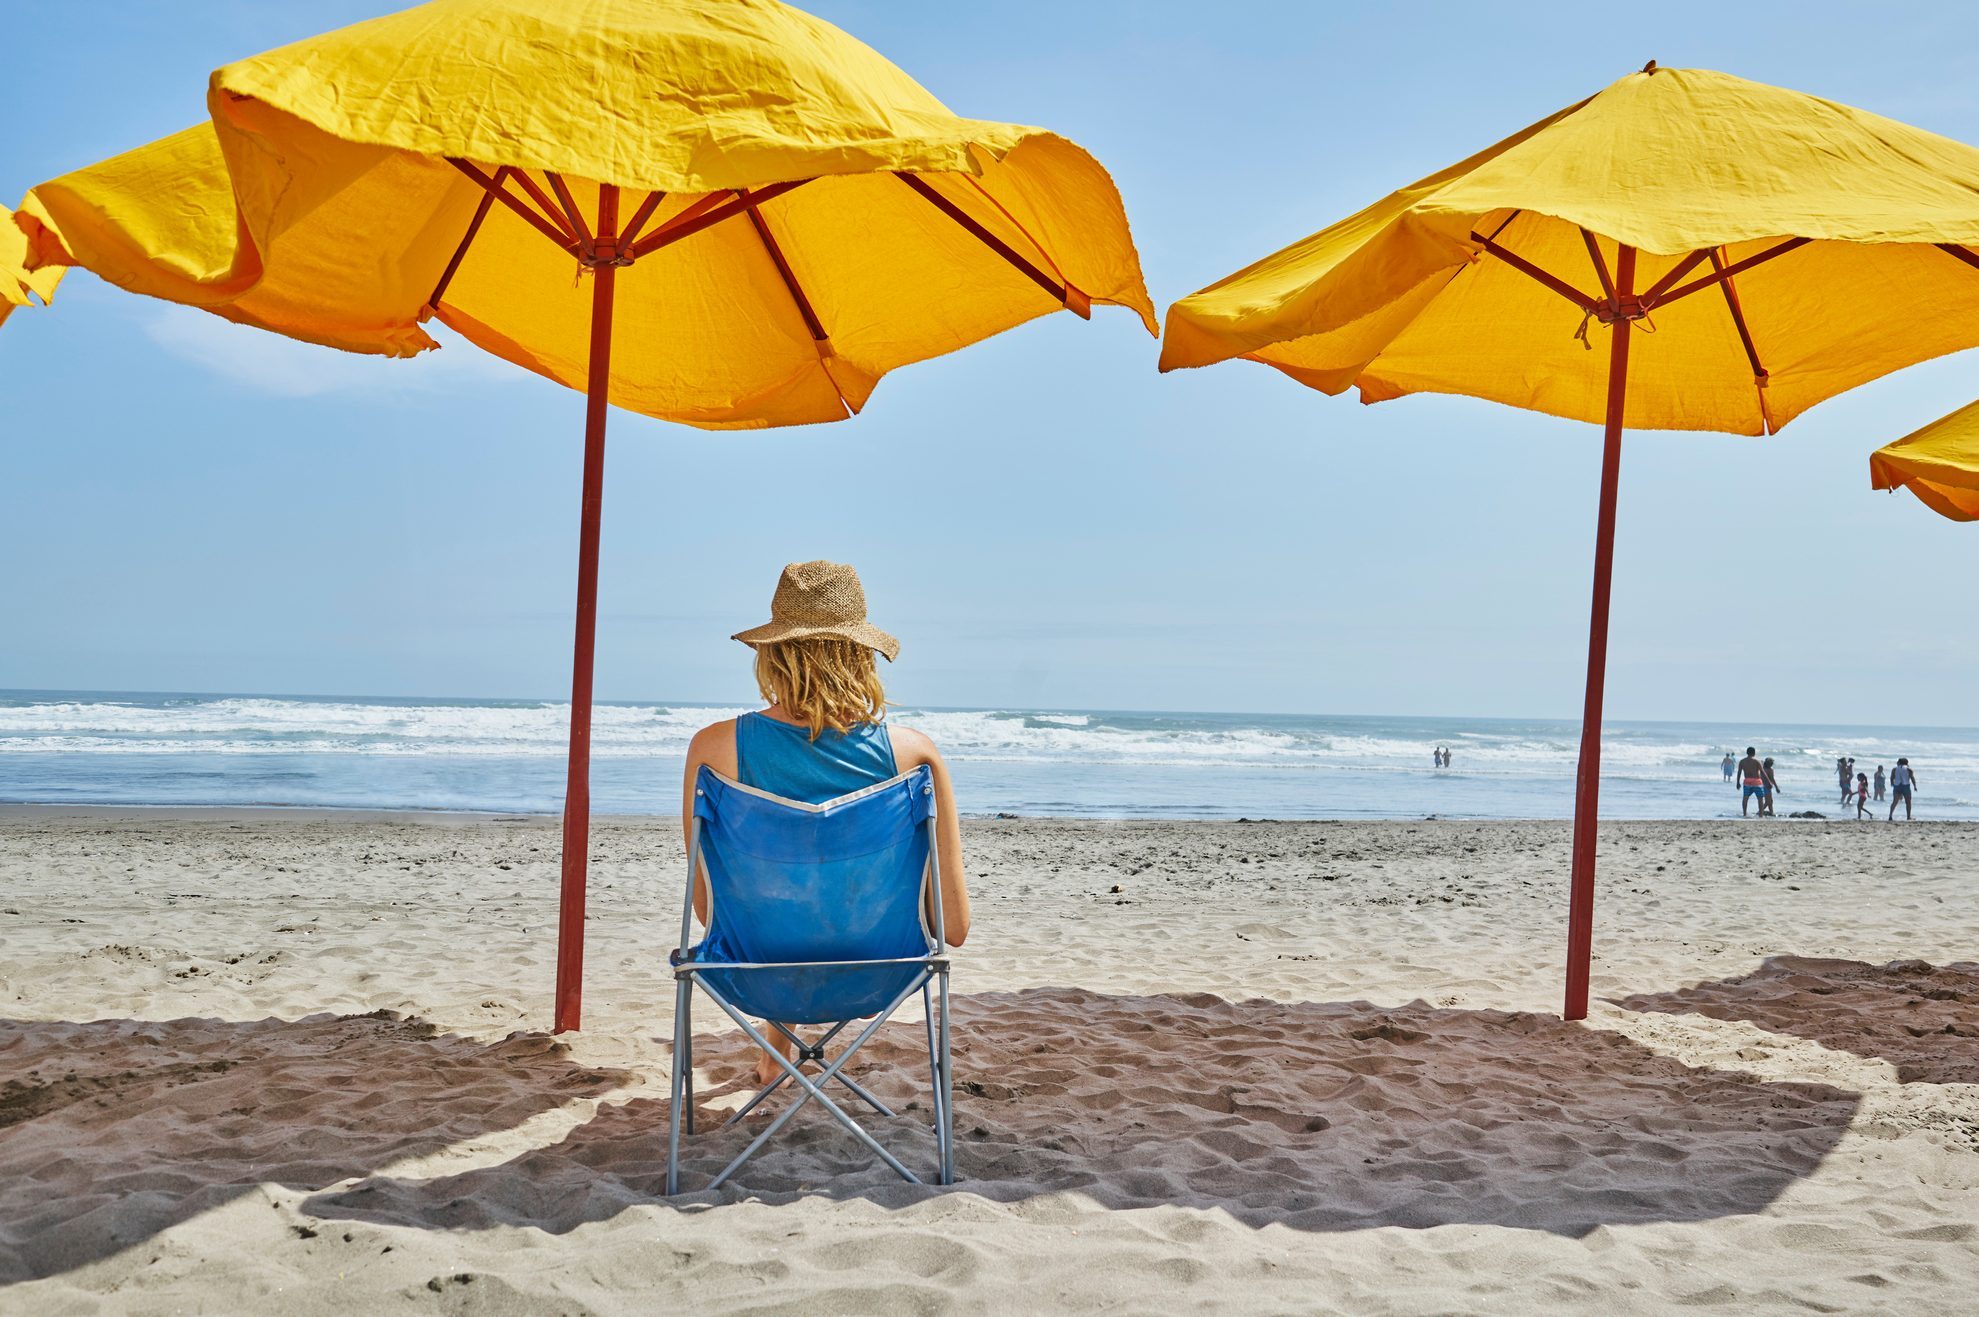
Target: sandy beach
<point>294,1062</point>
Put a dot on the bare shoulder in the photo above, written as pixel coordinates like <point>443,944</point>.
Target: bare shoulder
<point>911,749</point>
<point>714,745</point>
<point>713,735</point>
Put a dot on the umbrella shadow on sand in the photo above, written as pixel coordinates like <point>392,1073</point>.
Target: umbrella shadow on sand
<point>1322,1117</point>
<point>1921,1018</point>
<point>114,1130</point>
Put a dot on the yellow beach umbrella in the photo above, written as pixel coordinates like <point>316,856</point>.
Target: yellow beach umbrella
<point>793,216</point>
<point>1939,464</point>
<point>18,285</point>
<point>1747,251</point>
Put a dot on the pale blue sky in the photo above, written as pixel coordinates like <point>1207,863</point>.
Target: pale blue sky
<point>1043,519</point>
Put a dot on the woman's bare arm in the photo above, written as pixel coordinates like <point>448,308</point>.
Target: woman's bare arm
<point>910,750</point>
<point>714,746</point>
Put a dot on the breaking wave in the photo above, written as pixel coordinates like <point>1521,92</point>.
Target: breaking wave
<point>1063,761</point>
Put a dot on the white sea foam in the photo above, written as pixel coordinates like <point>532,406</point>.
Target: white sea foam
<point>262,725</point>
<point>275,726</point>
<point>1056,759</point>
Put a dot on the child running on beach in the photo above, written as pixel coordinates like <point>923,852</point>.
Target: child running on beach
<point>1862,796</point>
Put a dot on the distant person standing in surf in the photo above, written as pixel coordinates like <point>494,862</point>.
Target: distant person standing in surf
<point>1752,774</point>
<point>1729,767</point>
<point>1902,782</point>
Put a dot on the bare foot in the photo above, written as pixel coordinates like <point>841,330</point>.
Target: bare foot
<point>767,1070</point>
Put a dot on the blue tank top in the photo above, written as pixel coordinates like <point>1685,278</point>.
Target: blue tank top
<point>783,760</point>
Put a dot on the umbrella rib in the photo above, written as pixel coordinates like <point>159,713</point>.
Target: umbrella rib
<point>789,276</point>
<point>639,218</point>
<point>1677,271</point>
<point>516,204</point>
<point>1067,296</point>
<point>1525,267</point>
<point>547,206</point>
<point>696,210</point>
<point>1018,225</point>
<point>804,307</point>
<point>1738,321</point>
<point>1600,265</point>
<point>466,239</point>
<point>1505,223</point>
<point>1736,267</point>
<point>1759,376</point>
<point>703,215</point>
<point>1961,251</point>
<point>577,224</point>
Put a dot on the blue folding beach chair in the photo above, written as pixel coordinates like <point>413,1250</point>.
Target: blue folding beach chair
<point>817,914</point>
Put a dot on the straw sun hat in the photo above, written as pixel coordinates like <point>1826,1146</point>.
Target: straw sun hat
<point>820,599</point>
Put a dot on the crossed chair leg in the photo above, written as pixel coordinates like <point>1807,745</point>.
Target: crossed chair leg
<point>936,1017</point>
<point>809,1054</point>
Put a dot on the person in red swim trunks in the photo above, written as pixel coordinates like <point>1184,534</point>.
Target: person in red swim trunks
<point>1752,779</point>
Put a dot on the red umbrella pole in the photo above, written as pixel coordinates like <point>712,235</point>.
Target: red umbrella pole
<point>1587,788</point>
<point>577,791</point>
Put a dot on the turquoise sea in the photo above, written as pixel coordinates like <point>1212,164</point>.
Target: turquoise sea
<point>507,755</point>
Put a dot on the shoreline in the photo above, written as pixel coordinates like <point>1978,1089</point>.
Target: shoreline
<point>24,809</point>
<point>31,810</point>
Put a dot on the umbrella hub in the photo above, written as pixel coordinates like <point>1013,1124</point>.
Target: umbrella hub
<point>1622,306</point>
<point>604,251</point>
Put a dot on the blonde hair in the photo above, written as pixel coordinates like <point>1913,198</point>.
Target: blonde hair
<point>822,681</point>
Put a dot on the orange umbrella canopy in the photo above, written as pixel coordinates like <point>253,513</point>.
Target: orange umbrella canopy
<point>19,286</point>
<point>1939,464</point>
<point>1699,172</point>
<point>808,217</point>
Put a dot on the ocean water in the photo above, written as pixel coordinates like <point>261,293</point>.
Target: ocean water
<point>508,756</point>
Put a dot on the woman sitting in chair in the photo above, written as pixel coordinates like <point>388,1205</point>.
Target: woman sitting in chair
<point>824,734</point>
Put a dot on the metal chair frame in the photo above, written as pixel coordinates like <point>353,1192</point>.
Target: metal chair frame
<point>931,982</point>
